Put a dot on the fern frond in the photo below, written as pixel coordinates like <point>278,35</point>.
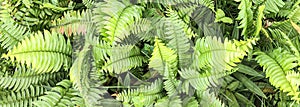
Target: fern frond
<point>211,52</point>
<point>88,3</point>
<point>277,65</point>
<point>46,52</point>
<point>113,17</point>
<point>23,98</point>
<point>207,3</point>
<point>22,79</point>
<point>295,15</point>
<point>273,5</point>
<point>73,22</point>
<point>178,32</point>
<point>245,15</point>
<point>294,78</point>
<point>161,56</point>
<point>174,101</point>
<point>11,34</point>
<point>208,99</point>
<point>61,95</point>
<point>123,58</point>
<point>197,80</point>
<point>145,95</point>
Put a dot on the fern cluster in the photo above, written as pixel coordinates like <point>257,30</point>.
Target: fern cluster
<point>183,53</point>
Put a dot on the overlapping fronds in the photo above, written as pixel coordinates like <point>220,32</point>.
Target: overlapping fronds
<point>273,5</point>
<point>161,57</point>
<point>209,99</point>
<point>277,65</point>
<point>73,22</point>
<point>207,3</point>
<point>123,58</point>
<point>245,15</point>
<point>178,32</point>
<point>46,52</point>
<point>211,52</point>
<point>169,102</point>
<point>23,98</point>
<point>23,78</point>
<point>143,96</point>
<point>63,95</point>
<point>113,17</point>
<point>11,34</point>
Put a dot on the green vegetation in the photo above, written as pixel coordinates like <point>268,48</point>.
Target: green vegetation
<point>144,53</point>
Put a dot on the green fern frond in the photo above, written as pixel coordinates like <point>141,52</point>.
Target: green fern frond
<point>178,32</point>
<point>112,19</point>
<point>208,99</point>
<point>174,101</point>
<point>273,5</point>
<point>295,15</point>
<point>61,96</point>
<point>207,3</point>
<point>123,58</point>
<point>277,65</point>
<point>161,56</point>
<point>5,10</point>
<point>11,34</point>
<point>82,78</point>
<point>88,3</point>
<point>146,95</point>
<point>73,22</point>
<point>211,52</point>
<point>197,80</point>
<point>294,78</point>
<point>46,52</point>
<point>22,79</point>
<point>23,98</point>
<point>245,15</point>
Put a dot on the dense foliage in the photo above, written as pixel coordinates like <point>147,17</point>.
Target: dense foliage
<point>163,53</point>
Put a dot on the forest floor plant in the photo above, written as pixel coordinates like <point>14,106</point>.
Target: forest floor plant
<point>145,53</point>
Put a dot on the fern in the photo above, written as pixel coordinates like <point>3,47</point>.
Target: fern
<point>113,17</point>
<point>22,79</point>
<point>43,52</point>
<point>61,95</point>
<point>162,56</point>
<point>23,98</point>
<point>11,34</point>
<point>123,58</point>
<point>245,15</point>
<point>145,95</point>
<point>177,32</point>
<point>169,102</point>
<point>211,52</point>
<point>277,65</point>
<point>273,5</point>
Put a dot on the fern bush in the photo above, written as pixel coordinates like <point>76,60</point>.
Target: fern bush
<point>183,53</point>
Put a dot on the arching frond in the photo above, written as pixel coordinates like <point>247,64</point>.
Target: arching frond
<point>11,34</point>
<point>46,52</point>
<point>161,56</point>
<point>178,32</point>
<point>208,99</point>
<point>207,3</point>
<point>273,5</point>
<point>245,15</point>
<point>145,95</point>
<point>123,58</point>
<point>211,52</point>
<point>169,102</point>
<point>22,79</point>
<point>61,95</point>
<point>113,17</point>
<point>277,65</point>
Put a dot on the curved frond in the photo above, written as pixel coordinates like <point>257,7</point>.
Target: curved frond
<point>22,79</point>
<point>273,5</point>
<point>161,56</point>
<point>11,34</point>
<point>211,52</point>
<point>61,96</point>
<point>113,17</point>
<point>245,15</point>
<point>277,65</point>
<point>46,52</point>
